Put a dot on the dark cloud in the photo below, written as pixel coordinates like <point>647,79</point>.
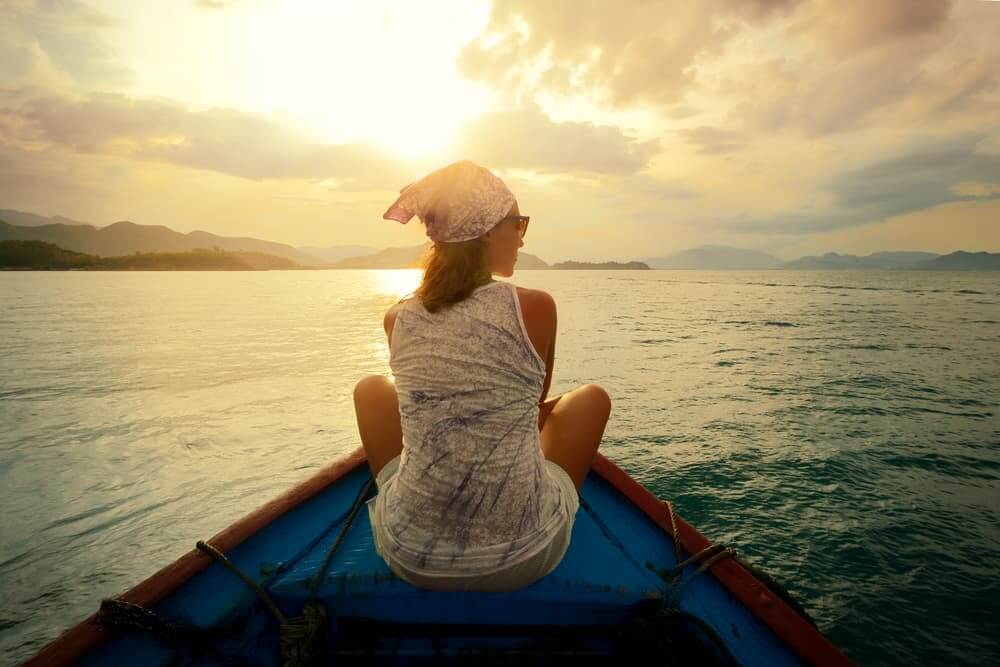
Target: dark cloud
<point>255,147</point>
<point>849,29</point>
<point>714,140</point>
<point>918,179</point>
<point>528,139</point>
<point>759,9</point>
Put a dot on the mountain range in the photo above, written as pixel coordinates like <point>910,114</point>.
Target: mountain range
<point>123,238</point>
<point>410,257</point>
<point>334,254</point>
<point>876,260</point>
<point>715,257</point>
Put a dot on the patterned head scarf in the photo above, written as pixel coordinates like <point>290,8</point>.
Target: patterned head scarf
<point>456,203</point>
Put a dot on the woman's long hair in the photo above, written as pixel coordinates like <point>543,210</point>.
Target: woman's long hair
<point>451,272</point>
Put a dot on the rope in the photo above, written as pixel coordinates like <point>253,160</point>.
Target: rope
<point>303,638</point>
<point>674,533</point>
<point>358,500</point>
<point>707,558</point>
<point>120,614</point>
<point>208,549</point>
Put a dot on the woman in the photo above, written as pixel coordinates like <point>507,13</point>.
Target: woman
<point>478,474</point>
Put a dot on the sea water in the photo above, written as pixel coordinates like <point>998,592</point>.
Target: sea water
<point>841,430</point>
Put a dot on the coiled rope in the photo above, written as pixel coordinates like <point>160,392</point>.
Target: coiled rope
<point>304,637</point>
<point>707,558</point>
<point>670,613</point>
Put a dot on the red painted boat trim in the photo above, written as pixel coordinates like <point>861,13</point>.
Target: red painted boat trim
<point>801,637</point>
<point>797,633</point>
<point>84,637</point>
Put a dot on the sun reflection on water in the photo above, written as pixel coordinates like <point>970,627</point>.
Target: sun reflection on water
<point>397,282</point>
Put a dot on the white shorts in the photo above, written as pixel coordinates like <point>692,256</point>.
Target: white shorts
<point>509,578</point>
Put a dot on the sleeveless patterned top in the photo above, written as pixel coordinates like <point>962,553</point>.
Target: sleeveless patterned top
<point>472,493</point>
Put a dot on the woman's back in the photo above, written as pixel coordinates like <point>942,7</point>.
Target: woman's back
<point>472,493</point>
<point>478,474</point>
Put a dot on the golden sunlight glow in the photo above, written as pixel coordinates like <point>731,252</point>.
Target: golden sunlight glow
<point>397,283</point>
<point>376,72</point>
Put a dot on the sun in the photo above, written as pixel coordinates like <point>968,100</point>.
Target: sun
<point>418,132</point>
<point>379,73</point>
<point>397,283</point>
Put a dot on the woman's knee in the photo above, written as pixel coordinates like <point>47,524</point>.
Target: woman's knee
<point>597,398</point>
<point>369,386</point>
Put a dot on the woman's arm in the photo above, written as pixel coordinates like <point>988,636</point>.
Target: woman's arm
<point>539,311</point>
<point>388,321</point>
<point>550,355</point>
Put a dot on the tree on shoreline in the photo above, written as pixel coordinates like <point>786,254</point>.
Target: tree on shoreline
<point>43,255</point>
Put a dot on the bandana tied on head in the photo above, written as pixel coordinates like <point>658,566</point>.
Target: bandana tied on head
<point>456,203</point>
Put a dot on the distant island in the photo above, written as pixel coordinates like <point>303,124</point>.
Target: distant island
<point>40,255</point>
<point>910,261</point>
<point>715,257</point>
<point>965,261</point>
<point>723,258</point>
<point>876,260</point>
<point>602,266</point>
<point>412,256</point>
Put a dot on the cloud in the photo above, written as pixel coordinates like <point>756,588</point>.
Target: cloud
<point>51,44</point>
<point>634,53</point>
<point>256,147</point>
<point>923,177</point>
<point>976,189</point>
<point>851,66</point>
<point>817,67</point>
<point>714,140</point>
<point>214,4</point>
<point>236,143</point>
<point>628,53</point>
<point>651,189</point>
<point>848,29</point>
<point>759,10</point>
<point>528,139</point>
<point>784,95</point>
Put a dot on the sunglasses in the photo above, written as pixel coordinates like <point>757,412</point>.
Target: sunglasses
<point>522,223</point>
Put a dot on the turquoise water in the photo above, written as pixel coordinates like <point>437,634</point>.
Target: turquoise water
<point>842,430</point>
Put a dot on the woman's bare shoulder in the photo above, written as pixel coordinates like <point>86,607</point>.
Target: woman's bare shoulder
<point>536,304</point>
<point>535,296</point>
<point>390,317</point>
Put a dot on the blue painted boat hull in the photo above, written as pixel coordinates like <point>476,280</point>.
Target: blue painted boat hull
<point>603,593</point>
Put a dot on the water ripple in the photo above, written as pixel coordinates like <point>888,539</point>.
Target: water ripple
<point>840,429</point>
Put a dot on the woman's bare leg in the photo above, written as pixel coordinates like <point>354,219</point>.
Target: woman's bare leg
<point>376,406</point>
<point>572,428</point>
<point>545,409</point>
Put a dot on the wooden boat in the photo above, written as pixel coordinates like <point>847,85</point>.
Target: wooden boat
<point>616,594</point>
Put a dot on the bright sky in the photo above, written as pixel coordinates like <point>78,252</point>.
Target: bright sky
<point>626,129</point>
